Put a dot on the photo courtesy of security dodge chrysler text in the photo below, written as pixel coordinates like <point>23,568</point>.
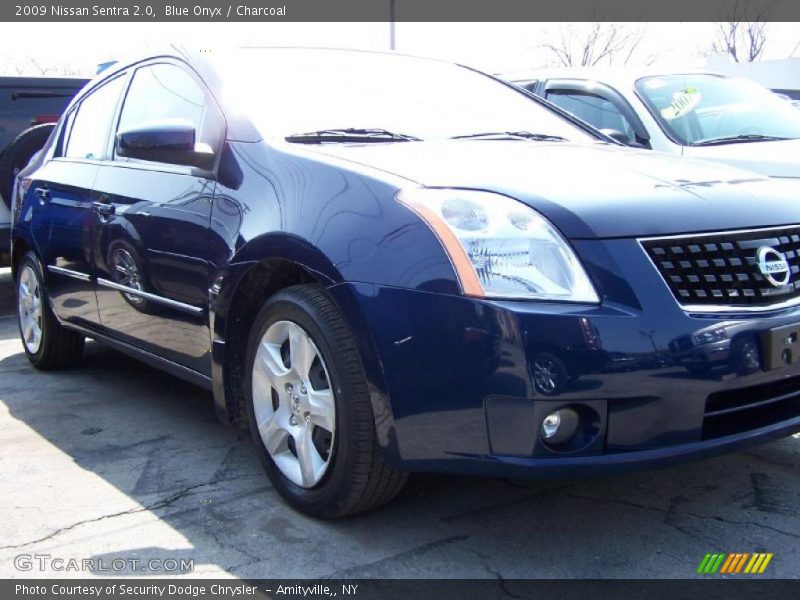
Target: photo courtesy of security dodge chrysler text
<point>382,264</point>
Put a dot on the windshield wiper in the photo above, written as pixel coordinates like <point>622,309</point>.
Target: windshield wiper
<point>516,135</point>
<point>349,134</point>
<point>745,137</point>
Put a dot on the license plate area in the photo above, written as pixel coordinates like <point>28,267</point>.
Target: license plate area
<point>780,346</point>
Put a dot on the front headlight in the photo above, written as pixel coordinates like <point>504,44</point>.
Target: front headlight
<point>710,337</point>
<point>501,248</point>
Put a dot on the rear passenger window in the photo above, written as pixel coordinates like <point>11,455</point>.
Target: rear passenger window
<point>163,92</point>
<point>88,127</point>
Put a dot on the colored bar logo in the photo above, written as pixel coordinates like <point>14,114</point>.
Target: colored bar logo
<point>734,563</point>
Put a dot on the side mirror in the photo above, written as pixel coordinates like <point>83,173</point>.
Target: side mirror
<point>617,135</point>
<point>169,141</point>
<point>624,139</point>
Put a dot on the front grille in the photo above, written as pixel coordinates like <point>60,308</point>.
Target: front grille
<point>736,411</point>
<point>722,268</point>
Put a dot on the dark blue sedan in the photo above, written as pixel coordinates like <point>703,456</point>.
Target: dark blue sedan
<point>383,264</point>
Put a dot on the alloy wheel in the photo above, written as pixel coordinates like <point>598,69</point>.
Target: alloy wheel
<point>293,403</point>
<point>29,304</point>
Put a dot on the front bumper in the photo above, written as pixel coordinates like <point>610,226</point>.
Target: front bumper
<point>462,396</point>
<point>619,462</point>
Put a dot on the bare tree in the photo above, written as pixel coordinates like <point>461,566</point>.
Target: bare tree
<point>744,36</point>
<point>44,66</point>
<point>596,43</point>
<point>743,42</point>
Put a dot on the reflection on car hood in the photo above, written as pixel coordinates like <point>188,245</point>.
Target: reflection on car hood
<point>780,158</point>
<point>597,190</point>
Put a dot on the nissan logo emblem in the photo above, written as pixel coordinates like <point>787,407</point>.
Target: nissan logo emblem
<point>773,266</point>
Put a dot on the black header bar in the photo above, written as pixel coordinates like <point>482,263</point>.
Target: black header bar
<point>402,10</point>
<point>398,589</point>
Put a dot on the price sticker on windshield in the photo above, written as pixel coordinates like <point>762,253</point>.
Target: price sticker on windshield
<point>683,102</point>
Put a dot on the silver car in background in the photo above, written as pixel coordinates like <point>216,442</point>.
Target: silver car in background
<point>696,114</point>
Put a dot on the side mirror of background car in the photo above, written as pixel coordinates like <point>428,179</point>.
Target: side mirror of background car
<point>617,135</point>
<point>624,139</point>
<point>169,141</point>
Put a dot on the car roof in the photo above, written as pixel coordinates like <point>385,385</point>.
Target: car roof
<point>240,128</point>
<point>207,62</point>
<point>200,58</point>
<point>207,65</point>
<point>618,77</point>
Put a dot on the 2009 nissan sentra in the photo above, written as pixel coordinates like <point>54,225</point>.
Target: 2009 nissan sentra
<point>383,264</point>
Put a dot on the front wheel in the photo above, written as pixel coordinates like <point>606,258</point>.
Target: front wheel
<point>47,344</point>
<point>310,410</point>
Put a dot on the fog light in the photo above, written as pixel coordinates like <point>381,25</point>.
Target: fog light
<point>551,424</point>
<point>559,428</point>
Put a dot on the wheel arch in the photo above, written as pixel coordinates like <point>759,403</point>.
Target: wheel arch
<point>237,296</point>
<point>19,246</point>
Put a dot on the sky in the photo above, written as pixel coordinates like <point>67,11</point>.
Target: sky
<point>494,47</point>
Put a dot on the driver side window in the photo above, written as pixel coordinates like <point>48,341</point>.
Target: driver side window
<point>594,109</point>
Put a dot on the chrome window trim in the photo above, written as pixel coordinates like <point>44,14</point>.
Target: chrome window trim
<point>69,273</point>
<point>148,296</point>
<point>718,308</point>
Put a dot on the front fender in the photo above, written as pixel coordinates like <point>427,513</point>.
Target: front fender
<point>295,252</point>
<point>292,249</point>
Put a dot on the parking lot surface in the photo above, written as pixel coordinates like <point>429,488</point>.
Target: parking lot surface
<point>114,459</point>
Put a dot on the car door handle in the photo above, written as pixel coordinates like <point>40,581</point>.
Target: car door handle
<point>103,209</point>
<point>44,194</point>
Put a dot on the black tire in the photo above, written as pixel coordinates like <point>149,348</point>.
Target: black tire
<point>357,479</point>
<point>59,347</point>
<point>18,153</point>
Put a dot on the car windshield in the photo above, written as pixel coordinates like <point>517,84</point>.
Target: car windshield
<point>703,108</point>
<point>340,96</point>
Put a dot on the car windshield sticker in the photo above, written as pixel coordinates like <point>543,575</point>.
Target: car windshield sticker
<point>683,102</point>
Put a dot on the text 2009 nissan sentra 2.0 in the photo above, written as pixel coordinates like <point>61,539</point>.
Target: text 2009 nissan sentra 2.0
<point>384,264</point>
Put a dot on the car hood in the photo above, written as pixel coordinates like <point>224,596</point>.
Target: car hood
<point>596,190</point>
<point>776,159</point>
